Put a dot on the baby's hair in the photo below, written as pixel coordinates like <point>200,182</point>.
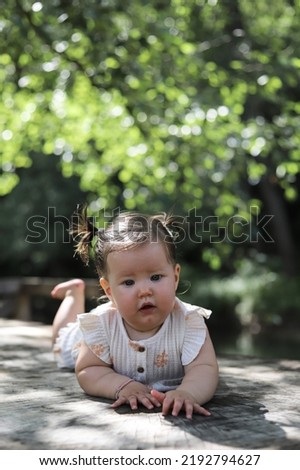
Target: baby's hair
<point>125,231</point>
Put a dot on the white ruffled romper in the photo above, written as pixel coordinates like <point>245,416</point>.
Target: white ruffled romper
<point>157,361</point>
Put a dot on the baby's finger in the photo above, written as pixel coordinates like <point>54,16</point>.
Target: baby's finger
<point>146,402</point>
<point>189,408</point>
<point>158,396</point>
<point>167,405</point>
<point>133,402</point>
<point>177,407</point>
<point>201,411</point>
<point>120,401</point>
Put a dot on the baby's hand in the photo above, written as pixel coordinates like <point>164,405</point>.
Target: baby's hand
<point>134,393</point>
<point>176,400</point>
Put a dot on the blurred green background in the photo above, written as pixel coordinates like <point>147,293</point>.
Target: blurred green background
<point>188,106</point>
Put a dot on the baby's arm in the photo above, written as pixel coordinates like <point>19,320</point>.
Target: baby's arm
<point>198,385</point>
<point>97,378</point>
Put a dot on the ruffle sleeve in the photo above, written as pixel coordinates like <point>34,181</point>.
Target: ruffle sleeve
<point>67,345</point>
<point>95,328</point>
<point>195,332</point>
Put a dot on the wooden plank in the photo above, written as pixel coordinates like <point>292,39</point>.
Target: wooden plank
<point>256,405</point>
<point>42,286</point>
<point>9,287</point>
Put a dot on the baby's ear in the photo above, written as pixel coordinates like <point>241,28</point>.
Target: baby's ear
<point>106,287</point>
<point>177,274</point>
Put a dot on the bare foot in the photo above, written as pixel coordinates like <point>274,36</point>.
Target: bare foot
<point>68,287</point>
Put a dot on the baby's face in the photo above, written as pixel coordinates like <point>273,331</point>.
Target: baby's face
<point>142,283</point>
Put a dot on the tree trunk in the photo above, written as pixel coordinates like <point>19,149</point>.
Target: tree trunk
<point>274,205</point>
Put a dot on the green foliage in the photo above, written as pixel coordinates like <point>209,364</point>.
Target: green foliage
<point>160,105</point>
<point>34,224</point>
<point>254,298</point>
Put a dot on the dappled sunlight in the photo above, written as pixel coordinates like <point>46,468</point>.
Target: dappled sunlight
<point>43,407</point>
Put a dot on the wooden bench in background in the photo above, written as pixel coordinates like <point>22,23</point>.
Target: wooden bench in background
<point>16,294</point>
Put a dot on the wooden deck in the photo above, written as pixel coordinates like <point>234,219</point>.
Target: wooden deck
<point>256,405</point>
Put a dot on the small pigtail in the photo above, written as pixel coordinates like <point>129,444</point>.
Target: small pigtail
<point>83,231</point>
<point>169,224</point>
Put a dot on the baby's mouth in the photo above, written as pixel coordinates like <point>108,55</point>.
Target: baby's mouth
<point>147,306</point>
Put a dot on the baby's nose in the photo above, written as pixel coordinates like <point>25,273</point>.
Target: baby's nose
<point>144,289</point>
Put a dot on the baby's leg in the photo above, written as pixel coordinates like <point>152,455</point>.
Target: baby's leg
<point>72,295</point>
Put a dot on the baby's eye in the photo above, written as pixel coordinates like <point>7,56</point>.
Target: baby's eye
<point>128,282</point>
<point>156,277</point>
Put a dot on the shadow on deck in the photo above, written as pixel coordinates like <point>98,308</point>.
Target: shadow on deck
<point>256,405</point>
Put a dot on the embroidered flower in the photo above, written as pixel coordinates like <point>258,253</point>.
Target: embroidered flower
<point>161,359</point>
<point>97,349</point>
